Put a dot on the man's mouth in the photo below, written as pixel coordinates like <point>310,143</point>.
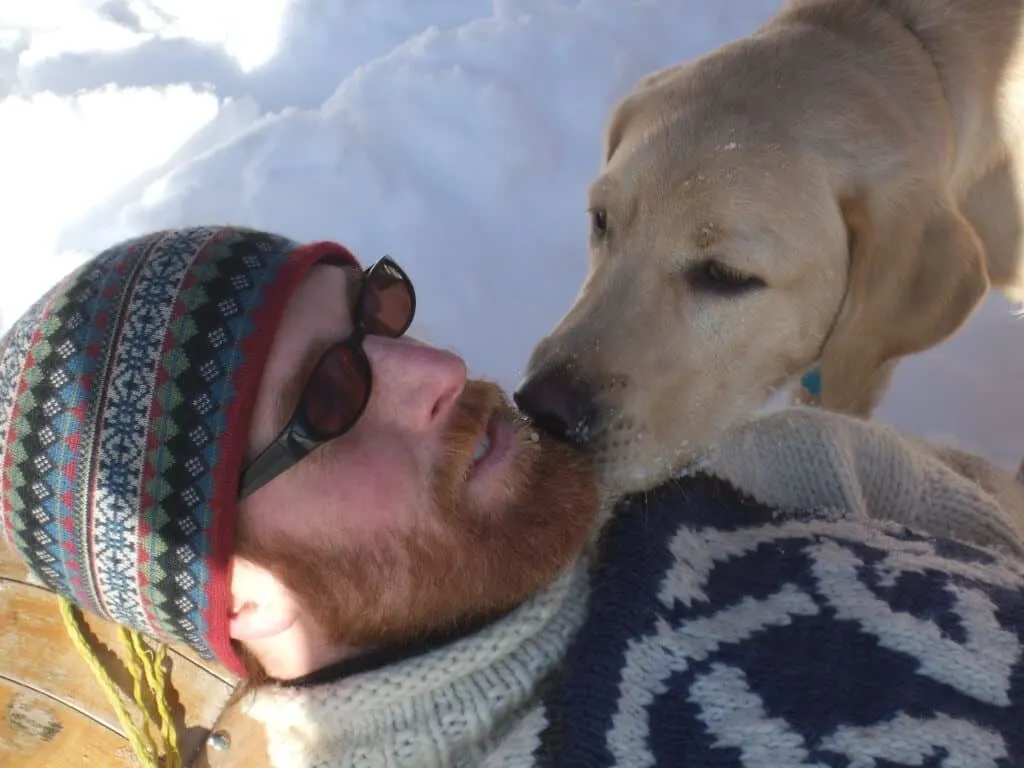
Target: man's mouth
<point>495,444</point>
<point>482,448</point>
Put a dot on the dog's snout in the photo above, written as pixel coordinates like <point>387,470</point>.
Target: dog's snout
<point>558,403</point>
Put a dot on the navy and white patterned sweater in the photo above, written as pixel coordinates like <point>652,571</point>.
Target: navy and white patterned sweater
<point>717,633</point>
<point>717,639</point>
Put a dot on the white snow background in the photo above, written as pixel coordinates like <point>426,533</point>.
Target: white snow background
<point>457,135</point>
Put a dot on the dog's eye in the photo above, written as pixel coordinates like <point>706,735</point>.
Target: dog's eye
<point>712,276</point>
<point>599,222</point>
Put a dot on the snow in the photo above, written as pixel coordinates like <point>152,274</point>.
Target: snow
<point>457,135</point>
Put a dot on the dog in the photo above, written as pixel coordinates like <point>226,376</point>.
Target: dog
<point>835,191</point>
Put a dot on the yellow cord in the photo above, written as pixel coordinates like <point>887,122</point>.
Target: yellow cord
<point>152,673</point>
<point>153,667</point>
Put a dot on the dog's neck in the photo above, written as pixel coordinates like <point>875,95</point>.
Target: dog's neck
<point>973,46</point>
<point>910,19</point>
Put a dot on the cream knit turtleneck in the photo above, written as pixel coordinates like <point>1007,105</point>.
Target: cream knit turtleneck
<point>448,707</point>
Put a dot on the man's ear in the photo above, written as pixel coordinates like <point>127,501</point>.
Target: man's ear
<point>262,606</point>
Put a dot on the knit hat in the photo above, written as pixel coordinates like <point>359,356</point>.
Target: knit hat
<point>125,399</point>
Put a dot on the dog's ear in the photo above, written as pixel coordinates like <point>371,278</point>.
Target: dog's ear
<point>916,273</point>
<point>620,118</point>
<point>625,111</point>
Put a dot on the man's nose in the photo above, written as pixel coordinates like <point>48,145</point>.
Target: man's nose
<point>559,403</point>
<point>416,384</point>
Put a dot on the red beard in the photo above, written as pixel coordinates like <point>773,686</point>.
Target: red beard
<point>470,562</point>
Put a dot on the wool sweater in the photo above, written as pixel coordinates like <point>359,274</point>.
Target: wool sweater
<point>809,457</point>
<point>710,629</point>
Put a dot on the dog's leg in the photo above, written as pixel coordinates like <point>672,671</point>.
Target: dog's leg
<point>877,386</point>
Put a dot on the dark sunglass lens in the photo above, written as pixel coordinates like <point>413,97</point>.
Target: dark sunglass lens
<point>387,301</point>
<point>337,391</point>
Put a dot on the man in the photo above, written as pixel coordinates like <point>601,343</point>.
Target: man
<point>223,438</point>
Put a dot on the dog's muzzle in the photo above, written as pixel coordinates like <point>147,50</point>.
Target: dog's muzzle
<point>558,403</point>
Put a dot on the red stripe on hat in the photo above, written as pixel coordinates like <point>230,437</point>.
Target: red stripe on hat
<point>256,350</point>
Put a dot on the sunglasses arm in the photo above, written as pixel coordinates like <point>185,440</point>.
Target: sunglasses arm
<point>278,456</point>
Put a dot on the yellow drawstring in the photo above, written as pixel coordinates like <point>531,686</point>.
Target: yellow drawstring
<point>152,673</point>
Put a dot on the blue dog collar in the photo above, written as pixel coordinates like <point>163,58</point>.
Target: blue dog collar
<point>812,381</point>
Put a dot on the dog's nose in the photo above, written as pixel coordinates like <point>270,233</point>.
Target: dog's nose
<point>558,403</point>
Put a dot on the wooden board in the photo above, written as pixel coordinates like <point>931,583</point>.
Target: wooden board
<point>56,712</point>
<point>39,732</point>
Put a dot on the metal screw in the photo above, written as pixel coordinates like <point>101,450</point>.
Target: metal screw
<point>220,740</point>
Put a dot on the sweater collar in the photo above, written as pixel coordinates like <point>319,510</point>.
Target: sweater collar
<point>379,658</point>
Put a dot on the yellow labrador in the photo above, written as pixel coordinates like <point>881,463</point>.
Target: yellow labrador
<point>838,189</point>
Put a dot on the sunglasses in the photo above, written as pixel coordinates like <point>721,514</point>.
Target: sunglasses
<point>338,389</point>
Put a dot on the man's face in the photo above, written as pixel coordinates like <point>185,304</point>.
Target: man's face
<point>439,505</point>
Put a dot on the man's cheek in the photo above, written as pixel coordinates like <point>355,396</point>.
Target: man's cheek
<point>373,500</point>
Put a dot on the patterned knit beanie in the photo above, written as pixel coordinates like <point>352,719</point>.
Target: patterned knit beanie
<point>125,400</point>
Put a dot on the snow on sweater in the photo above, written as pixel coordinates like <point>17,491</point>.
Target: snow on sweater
<point>714,631</point>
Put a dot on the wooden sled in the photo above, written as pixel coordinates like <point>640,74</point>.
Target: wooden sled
<point>56,713</point>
